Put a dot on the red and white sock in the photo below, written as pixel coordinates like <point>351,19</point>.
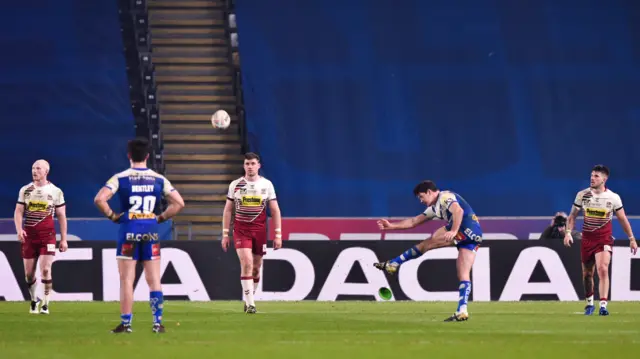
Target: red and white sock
<point>603,303</point>
<point>256,280</point>
<point>48,285</point>
<point>247,289</point>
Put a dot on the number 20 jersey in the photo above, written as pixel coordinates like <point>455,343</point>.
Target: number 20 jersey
<point>141,191</point>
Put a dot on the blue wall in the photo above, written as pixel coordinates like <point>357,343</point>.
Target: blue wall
<point>351,103</point>
<point>63,97</point>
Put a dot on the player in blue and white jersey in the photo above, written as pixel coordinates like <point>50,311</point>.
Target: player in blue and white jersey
<point>141,191</point>
<point>462,230</point>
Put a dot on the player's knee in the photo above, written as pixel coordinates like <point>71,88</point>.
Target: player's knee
<point>125,278</point>
<point>29,278</point>
<point>153,281</point>
<point>246,267</point>
<point>46,272</point>
<point>29,274</point>
<point>603,271</point>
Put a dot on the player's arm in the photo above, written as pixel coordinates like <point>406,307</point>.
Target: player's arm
<point>277,221</point>
<point>101,201</point>
<point>406,223</point>
<point>61,214</point>
<point>573,215</point>
<point>624,222</point>
<point>571,219</point>
<point>176,204</point>
<point>276,215</point>
<point>227,212</point>
<point>18,215</point>
<point>226,217</point>
<point>457,213</point>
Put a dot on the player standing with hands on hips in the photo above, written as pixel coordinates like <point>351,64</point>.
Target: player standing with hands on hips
<point>140,190</point>
<point>37,203</point>
<point>598,203</point>
<point>250,195</point>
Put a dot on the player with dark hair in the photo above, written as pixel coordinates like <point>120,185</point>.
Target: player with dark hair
<point>462,230</point>
<point>599,204</point>
<point>141,191</point>
<point>250,195</point>
<point>37,203</point>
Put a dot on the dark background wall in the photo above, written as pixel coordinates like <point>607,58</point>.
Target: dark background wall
<point>508,103</point>
<point>63,97</point>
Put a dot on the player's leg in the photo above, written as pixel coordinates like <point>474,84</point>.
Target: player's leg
<point>243,242</point>
<point>603,259</point>
<point>246,277</point>
<point>47,251</point>
<point>127,271</point>
<point>30,260</point>
<point>150,255</point>
<point>436,241</point>
<point>46,261</point>
<point>127,257</point>
<point>257,265</point>
<point>156,298</point>
<point>588,269</point>
<point>466,257</point>
<point>258,249</point>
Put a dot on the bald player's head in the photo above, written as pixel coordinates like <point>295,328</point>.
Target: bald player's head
<point>40,170</point>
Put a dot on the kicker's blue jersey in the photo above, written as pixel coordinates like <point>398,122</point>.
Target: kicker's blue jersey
<point>470,234</point>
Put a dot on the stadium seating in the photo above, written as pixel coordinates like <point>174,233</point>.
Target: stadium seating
<point>143,90</point>
<point>193,56</point>
<point>352,103</point>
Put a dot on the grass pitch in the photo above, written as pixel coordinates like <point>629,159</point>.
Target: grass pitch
<point>328,330</point>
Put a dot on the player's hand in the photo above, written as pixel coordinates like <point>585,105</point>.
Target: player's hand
<point>63,246</point>
<point>450,235</point>
<point>277,243</point>
<point>115,218</point>
<point>383,224</point>
<point>634,247</point>
<point>22,235</point>
<point>225,243</point>
<point>568,240</point>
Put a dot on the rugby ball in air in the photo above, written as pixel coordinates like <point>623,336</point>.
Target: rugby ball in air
<point>220,119</point>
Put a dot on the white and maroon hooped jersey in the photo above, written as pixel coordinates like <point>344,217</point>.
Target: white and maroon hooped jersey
<point>598,213</point>
<point>39,205</point>
<point>250,199</point>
